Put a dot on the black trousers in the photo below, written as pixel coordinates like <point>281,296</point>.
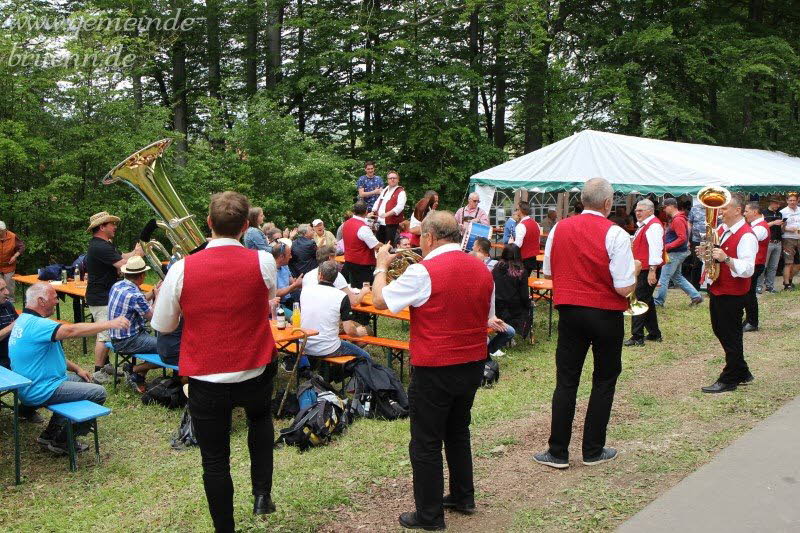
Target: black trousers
<point>696,264</point>
<point>387,233</point>
<point>649,320</point>
<point>726,322</point>
<point>358,274</point>
<point>211,405</point>
<point>751,302</point>
<point>578,329</point>
<point>531,265</point>
<point>440,401</point>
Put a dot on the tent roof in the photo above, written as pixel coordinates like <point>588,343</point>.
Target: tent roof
<point>636,164</point>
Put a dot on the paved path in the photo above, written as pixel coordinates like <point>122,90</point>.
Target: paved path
<point>753,485</point>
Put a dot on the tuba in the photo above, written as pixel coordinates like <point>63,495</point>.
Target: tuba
<point>712,198</point>
<point>402,260</point>
<point>144,172</point>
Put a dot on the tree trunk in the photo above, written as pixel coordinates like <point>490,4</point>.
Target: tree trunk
<point>500,75</point>
<point>251,84</point>
<point>213,49</point>
<point>180,108</point>
<point>368,6</point>
<point>534,101</point>
<point>473,66</point>
<point>138,100</point>
<point>378,122</point>
<point>301,104</point>
<point>275,10</point>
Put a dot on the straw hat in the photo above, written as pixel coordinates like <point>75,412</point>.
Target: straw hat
<point>135,265</point>
<point>100,218</point>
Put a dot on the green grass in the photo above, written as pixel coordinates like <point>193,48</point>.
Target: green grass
<point>143,485</point>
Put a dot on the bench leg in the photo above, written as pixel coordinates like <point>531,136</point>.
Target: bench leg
<point>16,438</point>
<point>73,460</point>
<point>96,442</point>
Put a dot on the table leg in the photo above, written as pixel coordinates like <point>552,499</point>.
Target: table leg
<point>16,438</point>
<point>96,442</point>
<point>73,460</point>
<point>550,317</point>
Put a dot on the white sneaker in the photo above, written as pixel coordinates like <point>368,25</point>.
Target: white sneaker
<point>498,353</point>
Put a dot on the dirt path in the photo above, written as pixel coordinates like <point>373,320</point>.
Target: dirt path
<point>509,481</point>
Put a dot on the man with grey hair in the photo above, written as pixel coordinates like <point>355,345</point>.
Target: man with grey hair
<point>471,212</point>
<point>451,298</point>
<point>589,259</point>
<point>11,247</point>
<point>304,251</point>
<point>35,351</point>
<point>648,249</point>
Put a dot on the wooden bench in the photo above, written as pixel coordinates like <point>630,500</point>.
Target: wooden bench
<point>75,413</point>
<point>152,358</point>
<point>394,349</point>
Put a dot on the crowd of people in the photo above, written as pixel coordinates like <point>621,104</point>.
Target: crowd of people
<point>598,260</point>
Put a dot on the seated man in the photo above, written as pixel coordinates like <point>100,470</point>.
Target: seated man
<point>286,284</point>
<point>328,253</point>
<point>324,308</point>
<point>480,249</point>
<point>126,299</point>
<point>403,243</point>
<point>36,353</point>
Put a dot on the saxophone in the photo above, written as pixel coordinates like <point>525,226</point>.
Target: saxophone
<point>712,198</point>
<point>144,172</point>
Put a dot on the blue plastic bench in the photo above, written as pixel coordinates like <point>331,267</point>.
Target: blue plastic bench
<point>152,358</point>
<point>75,413</point>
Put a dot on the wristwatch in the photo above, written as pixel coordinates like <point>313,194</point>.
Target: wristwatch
<point>378,271</point>
<point>728,260</point>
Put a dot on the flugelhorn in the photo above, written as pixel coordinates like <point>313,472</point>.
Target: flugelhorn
<point>712,198</point>
<point>143,171</point>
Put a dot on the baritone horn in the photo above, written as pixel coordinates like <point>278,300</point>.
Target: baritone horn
<point>403,259</point>
<point>712,198</point>
<point>144,172</point>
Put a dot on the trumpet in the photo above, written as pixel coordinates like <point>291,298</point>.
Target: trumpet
<point>712,198</point>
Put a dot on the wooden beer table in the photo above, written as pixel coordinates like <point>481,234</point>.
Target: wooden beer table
<point>543,289</point>
<point>366,307</point>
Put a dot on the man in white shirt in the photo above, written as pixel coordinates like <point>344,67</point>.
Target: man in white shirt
<point>359,247</point>
<point>389,208</point>
<point>328,253</point>
<point>736,256</point>
<point>791,240</point>
<point>227,350</point>
<point>648,249</point>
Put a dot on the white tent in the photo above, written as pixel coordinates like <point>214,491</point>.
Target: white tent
<point>640,165</point>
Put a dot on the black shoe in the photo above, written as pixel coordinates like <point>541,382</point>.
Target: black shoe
<point>654,338</point>
<point>697,301</point>
<point>464,508</point>
<point>409,521</point>
<point>33,417</point>
<point>548,459</point>
<point>263,505</point>
<point>749,327</point>
<point>748,380</point>
<point>788,286</point>
<point>633,342</point>
<point>62,448</point>
<point>719,387</point>
<point>608,454</point>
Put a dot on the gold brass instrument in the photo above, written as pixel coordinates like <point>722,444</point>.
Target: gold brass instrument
<point>635,307</point>
<point>402,260</point>
<point>144,172</point>
<point>712,198</point>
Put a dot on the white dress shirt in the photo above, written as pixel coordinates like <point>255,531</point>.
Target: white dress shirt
<point>365,234</point>
<point>167,309</point>
<point>519,232</point>
<point>792,219</point>
<point>312,278</point>
<point>384,198</point>
<point>760,231</point>
<point>655,240</point>
<point>618,246</point>
<point>413,288</point>
<point>744,265</point>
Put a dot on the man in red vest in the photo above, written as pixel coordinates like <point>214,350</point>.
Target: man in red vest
<point>359,246</point>
<point>526,236</point>
<point>451,297</point>
<point>389,208</point>
<point>227,350</point>
<point>648,249</point>
<point>590,262</point>
<point>760,227</point>
<point>736,255</point>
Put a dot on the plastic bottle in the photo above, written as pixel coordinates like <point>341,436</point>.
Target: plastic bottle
<point>296,315</point>
<point>281,318</point>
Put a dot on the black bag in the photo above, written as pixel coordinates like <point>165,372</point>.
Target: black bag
<point>290,408</point>
<point>491,373</point>
<point>376,390</point>
<point>165,391</point>
<point>316,425</point>
<point>184,437</point>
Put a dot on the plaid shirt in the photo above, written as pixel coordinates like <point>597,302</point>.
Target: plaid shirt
<point>125,299</point>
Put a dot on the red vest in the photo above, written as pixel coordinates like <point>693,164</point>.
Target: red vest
<point>391,203</point>
<point>225,306</point>
<point>355,251</point>
<point>530,245</point>
<point>641,248</point>
<point>450,328</point>
<point>763,246</point>
<point>579,264</point>
<point>726,284</point>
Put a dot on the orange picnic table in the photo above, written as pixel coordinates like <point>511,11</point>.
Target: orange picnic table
<point>542,289</point>
<point>339,258</point>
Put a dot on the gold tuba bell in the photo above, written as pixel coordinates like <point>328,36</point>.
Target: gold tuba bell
<point>712,198</point>
<point>144,172</point>
<point>403,259</point>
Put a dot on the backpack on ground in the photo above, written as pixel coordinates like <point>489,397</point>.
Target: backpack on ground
<point>317,424</point>
<point>376,390</point>
<point>290,408</point>
<point>184,437</point>
<point>165,391</point>
<point>491,373</point>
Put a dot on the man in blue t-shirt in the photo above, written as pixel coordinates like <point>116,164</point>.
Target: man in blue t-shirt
<point>36,353</point>
<point>369,185</point>
<point>286,284</point>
